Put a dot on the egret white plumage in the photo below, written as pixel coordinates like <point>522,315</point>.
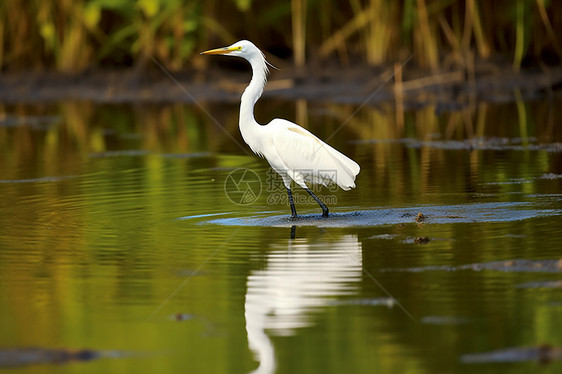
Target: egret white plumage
<point>292,151</point>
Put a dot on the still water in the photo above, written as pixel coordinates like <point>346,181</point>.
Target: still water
<point>121,234</point>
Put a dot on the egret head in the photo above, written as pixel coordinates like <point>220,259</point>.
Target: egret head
<point>242,48</point>
<point>248,51</point>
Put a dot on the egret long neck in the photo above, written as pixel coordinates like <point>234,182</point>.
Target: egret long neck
<point>251,96</point>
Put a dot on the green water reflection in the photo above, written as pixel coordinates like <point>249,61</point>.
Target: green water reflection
<point>93,253</point>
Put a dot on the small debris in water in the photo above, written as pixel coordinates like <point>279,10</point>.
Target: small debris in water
<point>120,153</point>
<point>421,240</point>
<point>378,301</point>
<point>183,317</point>
<point>383,236</point>
<point>15,357</point>
<point>543,354</point>
<point>545,284</point>
<point>516,266</point>
<point>444,320</point>
<point>494,144</point>
<point>550,176</point>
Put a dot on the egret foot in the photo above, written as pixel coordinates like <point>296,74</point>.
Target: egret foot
<point>325,209</point>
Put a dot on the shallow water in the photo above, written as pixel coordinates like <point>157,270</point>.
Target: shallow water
<point>122,235</point>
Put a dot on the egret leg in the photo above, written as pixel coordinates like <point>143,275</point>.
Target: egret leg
<point>292,203</point>
<point>325,210</point>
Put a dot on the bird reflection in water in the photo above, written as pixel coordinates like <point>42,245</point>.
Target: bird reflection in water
<point>300,276</point>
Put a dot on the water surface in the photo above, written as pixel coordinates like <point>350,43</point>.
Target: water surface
<point>119,234</point>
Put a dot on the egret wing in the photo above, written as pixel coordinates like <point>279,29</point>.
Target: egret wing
<point>307,157</point>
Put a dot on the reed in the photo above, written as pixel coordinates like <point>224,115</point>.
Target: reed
<point>298,12</point>
<point>519,34</point>
<point>71,35</point>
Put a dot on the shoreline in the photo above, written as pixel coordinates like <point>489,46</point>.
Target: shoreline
<point>448,90</point>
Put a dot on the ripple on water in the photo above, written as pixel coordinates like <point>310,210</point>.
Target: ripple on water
<point>48,179</point>
<point>464,213</point>
<point>513,266</point>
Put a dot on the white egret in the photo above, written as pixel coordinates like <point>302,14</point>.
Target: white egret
<point>292,151</point>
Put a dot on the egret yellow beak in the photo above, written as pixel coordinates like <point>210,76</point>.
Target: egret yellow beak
<point>221,51</point>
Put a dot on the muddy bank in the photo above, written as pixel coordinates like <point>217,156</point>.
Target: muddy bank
<point>449,90</point>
